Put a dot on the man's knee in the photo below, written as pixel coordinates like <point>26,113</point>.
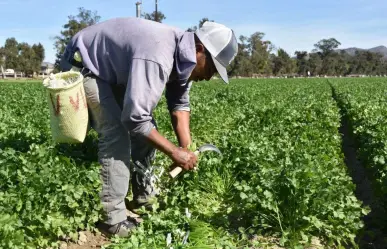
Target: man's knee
<point>114,143</point>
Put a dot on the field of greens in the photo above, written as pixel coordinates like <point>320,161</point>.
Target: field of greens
<point>281,180</point>
<point>364,105</point>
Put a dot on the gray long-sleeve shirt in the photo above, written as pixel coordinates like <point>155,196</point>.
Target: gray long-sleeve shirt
<point>145,56</point>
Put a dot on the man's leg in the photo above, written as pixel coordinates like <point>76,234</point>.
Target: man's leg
<point>113,152</point>
<point>143,155</point>
<point>143,152</point>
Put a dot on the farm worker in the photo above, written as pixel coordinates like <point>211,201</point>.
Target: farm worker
<point>127,63</point>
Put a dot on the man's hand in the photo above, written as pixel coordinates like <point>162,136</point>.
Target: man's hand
<point>184,158</point>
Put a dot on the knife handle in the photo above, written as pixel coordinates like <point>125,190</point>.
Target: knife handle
<point>173,173</point>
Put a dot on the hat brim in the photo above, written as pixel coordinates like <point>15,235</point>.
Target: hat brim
<point>221,69</point>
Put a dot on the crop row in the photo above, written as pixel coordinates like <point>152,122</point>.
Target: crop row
<point>364,104</point>
<point>281,174</point>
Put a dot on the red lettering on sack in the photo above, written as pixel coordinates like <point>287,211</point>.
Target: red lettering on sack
<point>57,108</point>
<point>75,104</point>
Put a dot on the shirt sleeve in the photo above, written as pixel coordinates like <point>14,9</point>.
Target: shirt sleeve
<point>177,96</point>
<point>144,89</point>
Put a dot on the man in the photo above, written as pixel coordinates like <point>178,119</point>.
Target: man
<point>127,64</point>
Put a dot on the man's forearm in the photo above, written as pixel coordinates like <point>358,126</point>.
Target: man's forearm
<point>181,157</point>
<point>180,122</point>
<point>161,143</point>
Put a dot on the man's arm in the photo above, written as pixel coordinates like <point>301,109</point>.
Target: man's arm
<point>143,92</point>
<point>181,157</point>
<point>180,122</point>
<point>177,96</point>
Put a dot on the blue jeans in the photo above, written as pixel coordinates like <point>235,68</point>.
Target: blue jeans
<point>116,148</point>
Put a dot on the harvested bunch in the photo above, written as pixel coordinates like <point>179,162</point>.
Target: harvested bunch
<point>62,80</point>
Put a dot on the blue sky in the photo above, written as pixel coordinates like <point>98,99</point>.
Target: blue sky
<point>291,25</point>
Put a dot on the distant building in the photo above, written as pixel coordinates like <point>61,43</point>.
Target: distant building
<point>46,68</point>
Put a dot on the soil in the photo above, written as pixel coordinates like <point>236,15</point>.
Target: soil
<point>92,240</point>
<point>273,243</point>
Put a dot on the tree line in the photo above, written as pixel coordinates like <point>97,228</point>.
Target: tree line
<point>256,55</point>
<point>21,56</point>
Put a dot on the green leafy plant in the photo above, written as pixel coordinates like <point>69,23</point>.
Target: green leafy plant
<point>281,174</point>
<point>364,105</point>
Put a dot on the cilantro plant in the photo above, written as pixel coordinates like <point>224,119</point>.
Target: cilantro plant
<point>364,104</point>
<point>281,174</point>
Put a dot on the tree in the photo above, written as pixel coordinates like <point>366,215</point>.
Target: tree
<point>241,65</point>
<point>39,56</point>
<point>76,23</point>
<point>201,22</point>
<point>39,52</point>
<point>11,53</point>
<point>2,56</point>
<point>160,16</point>
<point>302,62</point>
<point>326,46</point>
<point>252,57</point>
<point>342,65</point>
<point>315,64</point>
<point>282,63</point>
<point>21,56</point>
<point>366,62</point>
<point>259,53</point>
<point>2,61</point>
<point>28,62</point>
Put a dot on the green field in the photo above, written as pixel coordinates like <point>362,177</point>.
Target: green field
<point>282,178</point>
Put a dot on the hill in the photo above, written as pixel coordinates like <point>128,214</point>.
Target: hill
<point>378,49</point>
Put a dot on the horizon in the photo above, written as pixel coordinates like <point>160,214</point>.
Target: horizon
<point>362,25</point>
